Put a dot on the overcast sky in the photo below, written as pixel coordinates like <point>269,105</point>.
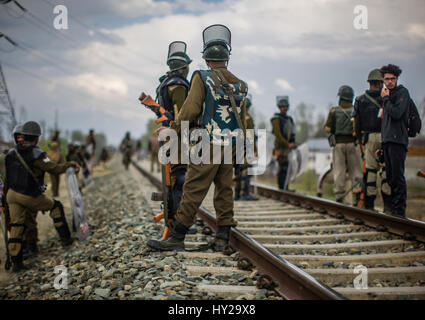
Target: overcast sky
<point>94,71</point>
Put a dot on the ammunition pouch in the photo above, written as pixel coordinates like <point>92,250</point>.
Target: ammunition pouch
<point>332,140</point>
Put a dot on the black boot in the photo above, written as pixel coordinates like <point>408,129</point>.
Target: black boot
<point>369,203</point>
<point>17,263</point>
<point>388,206</point>
<point>192,230</point>
<point>340,200</point>
<point>221,240</point>
<point>248,197</point>
<point>174,242</point>
<point>30,250</point>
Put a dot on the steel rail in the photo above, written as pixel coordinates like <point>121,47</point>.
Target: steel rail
<point>291,282</point>
<point>409,229</point>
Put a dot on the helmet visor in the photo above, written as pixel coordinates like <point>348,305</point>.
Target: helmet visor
<point>217,34</point>
<point>177,51</point>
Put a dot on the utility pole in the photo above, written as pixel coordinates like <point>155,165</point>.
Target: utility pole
<point>6,101</point>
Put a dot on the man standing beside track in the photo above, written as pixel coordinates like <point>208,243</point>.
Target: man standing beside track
<point>284,131</point>
<point>395,136</point>
<point>241,170</point>
<point>345,154</point>
<point>367,127</point>
<point>171,94</point>
<point>217,98</point>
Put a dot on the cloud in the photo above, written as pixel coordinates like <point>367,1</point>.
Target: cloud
<point>254,87</point>
<point>100,86</point>
<point>284,84</point>
<point>313,44</point>
<point>417,30</point>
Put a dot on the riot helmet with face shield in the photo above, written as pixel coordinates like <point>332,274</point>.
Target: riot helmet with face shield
<point>217,43</point>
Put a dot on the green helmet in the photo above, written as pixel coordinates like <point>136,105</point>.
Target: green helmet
<point>216,53</point>
<point>177,57</point>
<point>375,75</point>
<point>31,128</point>
<point>346,93</point>
<point>282,101</point>
<point>217,43</point>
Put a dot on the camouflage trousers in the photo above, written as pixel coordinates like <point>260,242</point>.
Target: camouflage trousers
<point>373,168</point>
<point>346,158</point>
<point>22,208</point>
<point>199,178</point>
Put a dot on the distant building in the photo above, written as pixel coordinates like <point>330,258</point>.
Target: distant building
<point>320,154</point>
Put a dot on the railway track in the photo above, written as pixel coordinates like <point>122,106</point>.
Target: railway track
<point>310,248</point>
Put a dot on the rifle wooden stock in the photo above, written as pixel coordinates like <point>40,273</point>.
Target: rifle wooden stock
<point>159,217</point>
<point>147,101</point>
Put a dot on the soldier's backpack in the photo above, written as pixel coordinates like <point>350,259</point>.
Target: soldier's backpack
<point>414,123</point>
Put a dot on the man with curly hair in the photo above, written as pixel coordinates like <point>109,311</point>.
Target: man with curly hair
<point>396,102</point>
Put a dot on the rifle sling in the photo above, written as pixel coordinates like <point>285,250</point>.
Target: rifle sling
<point>372,100</point>
<point>220,81</point>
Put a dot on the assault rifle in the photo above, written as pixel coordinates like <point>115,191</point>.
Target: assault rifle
<point>163,117</point>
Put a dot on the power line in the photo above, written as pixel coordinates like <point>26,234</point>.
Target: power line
<point>39,22</point>
<point>34,52</point>
<point>68,90</point>
<point>105,36</point>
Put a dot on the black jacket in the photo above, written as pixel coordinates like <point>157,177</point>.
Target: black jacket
<point>396,114</point>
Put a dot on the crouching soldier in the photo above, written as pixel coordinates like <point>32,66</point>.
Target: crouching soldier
<point>25,169</point>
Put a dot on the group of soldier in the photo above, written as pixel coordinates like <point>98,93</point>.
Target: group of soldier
<point>375,129</point>
<point>23,194</point>
<point>217,99</point>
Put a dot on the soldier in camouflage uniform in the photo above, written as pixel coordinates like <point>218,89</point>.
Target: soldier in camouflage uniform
<point>284,131</point>
<point>25,169</point>
<point>346,154</point>
<point>367,126</point>
<point>171,94</point>
<point>213,95</point>
<point>241,170</point>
